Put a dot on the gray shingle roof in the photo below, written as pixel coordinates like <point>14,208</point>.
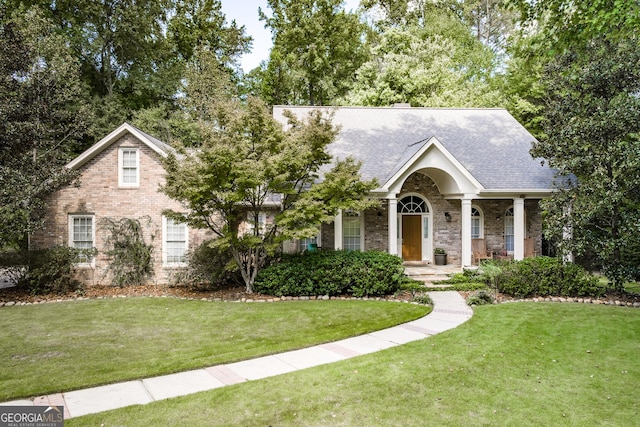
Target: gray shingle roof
<point>489,143</point>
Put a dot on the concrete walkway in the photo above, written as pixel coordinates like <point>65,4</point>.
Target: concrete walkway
<point>450,310</point>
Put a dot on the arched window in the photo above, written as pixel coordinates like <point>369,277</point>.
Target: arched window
<point>508,230</point>
<point>477,223</point>
<point>412,204</point>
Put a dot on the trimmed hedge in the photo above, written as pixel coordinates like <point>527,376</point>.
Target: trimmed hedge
<point>332,273</point>
<point>545,276</point>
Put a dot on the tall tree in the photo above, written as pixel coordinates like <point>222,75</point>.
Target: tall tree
<point>133,53</point>
<point>592,116</point>
<point>317,47</point>
<point>246,162</point>
<point>436,62</point>
<point>43,116</point>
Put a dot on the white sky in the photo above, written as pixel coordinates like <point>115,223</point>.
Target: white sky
<point>245,12</point>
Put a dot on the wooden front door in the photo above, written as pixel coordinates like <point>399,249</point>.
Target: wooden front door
<point>412,237</point>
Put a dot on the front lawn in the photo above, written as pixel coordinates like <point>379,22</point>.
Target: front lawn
<point>519,364</point>
<point>77,344</point>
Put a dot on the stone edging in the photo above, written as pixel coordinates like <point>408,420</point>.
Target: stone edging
<point>242,300</point>
<point>595,301</point>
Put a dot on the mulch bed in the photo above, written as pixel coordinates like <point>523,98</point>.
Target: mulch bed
<point>238,293</point>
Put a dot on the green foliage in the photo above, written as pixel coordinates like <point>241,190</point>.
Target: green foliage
<point>332,273</point>
<point>468,280</point>
<point>544,276</point>
<point>130,257</point>
<point>43,117</point>
<point>317,47</point>
<point>422,299</point>
<point>480,297</point>
<point>592,112</point>
<point>247,161</point>
<point>208,265</point>
<point>51,270</point>
<point>436,62</point>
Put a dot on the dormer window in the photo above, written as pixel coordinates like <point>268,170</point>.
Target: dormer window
<point>128,167</point>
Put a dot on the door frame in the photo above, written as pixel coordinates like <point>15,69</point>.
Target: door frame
<point>426,222</point>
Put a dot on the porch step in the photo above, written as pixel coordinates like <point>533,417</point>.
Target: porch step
<point>429,273</point>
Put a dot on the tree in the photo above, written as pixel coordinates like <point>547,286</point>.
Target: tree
<point>133,53</point>
<point>593,139</point>
<point>247,164</point>
<point>43,117</point>
<point>317,47</point>
<point>437,63</point>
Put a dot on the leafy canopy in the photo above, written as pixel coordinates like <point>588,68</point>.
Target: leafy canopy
<point>247,165</point>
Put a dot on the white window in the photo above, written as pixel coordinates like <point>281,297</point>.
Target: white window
<point>508,231</point>
<point>477,223</point>
<point>175,241</point>
<point>262,223</point>
<point>352,231</point>
<point>128,167</point>
<point>82,234</point>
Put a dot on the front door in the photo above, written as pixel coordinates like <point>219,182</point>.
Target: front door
<point>412,237</point>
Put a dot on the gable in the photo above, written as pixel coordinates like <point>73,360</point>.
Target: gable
<point>145,139</point>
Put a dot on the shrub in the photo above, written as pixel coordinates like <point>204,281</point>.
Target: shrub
<point>332,273</point>
<point>422,299</point>
<point>481,297</point>
<point>208,265</point>
<point>543,276</point>
<point>52,270</point>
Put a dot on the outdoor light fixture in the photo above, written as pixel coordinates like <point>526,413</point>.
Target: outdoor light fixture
<point>447,216</point>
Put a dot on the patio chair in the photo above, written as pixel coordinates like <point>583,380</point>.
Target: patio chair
<point>529,248</point>
<point>479,251</point>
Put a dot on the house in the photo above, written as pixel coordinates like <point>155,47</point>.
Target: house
<point>446,177</point>
<point>119,178</point>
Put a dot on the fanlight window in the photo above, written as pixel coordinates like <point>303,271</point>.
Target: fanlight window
<point>412,204</point>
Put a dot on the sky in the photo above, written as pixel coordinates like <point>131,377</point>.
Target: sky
<point>245,12</point>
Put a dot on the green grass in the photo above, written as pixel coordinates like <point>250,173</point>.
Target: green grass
<point>69,345</point>
<point>524,364</point>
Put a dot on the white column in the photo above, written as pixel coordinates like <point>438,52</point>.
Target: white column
<point>518,228</point>
<point>337,232</point>
<point>567,234</point>
<point>466,232</point>
<point>393,226</point>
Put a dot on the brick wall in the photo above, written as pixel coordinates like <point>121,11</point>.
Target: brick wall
<point>446,234</point>
<point>100,195</point>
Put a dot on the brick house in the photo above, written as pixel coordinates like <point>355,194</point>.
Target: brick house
<point>119,178</point>
<point>446,177</point>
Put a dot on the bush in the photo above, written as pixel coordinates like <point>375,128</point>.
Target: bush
<point>422,299</point>
<point>545,276</point>
<point>481,297</point>
<point>332,273</point>
<point>208,266</point>
<point>52,270</point>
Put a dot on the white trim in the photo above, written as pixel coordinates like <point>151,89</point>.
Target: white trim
<point>71,241</point>
<point>105,142</point>
<point>518,228</point>
<point>411,166</point>
<point>121,182</point>
<point>166,263</point>
<point>426,242</point>
<point>481,220</point>
<point>360,217</point>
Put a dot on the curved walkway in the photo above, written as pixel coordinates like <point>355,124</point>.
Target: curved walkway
<point>450,310</point>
